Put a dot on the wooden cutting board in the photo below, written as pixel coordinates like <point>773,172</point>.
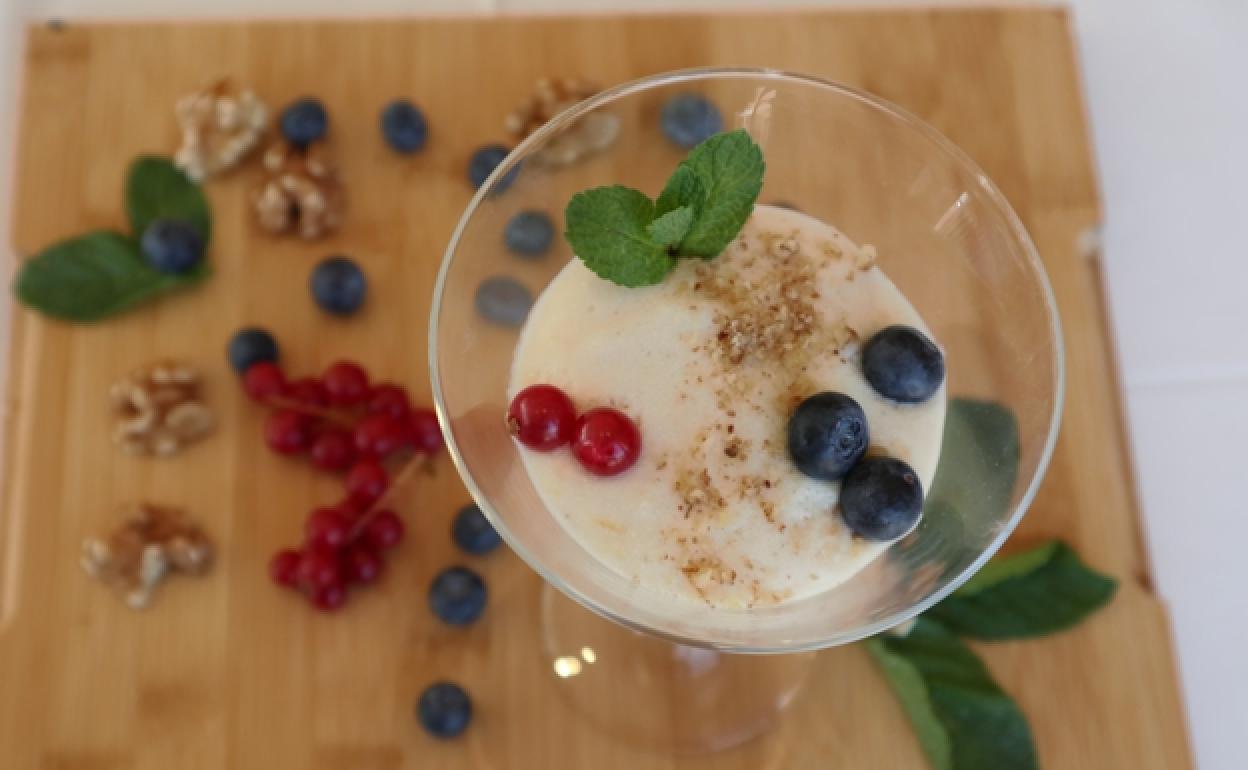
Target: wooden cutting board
<point>228,672</point>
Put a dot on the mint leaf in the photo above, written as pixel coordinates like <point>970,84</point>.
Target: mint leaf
<point>607,228</point>
<point>93,276</point>
<point>669,228</point>
<point>683,188</point>
<point>963,719</point>
<point>1037,592</point>
<point>157,189</point>
<point>729,168</point>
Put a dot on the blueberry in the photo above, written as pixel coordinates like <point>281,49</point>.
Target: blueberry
<point>172,246</point>
<point>529,233</point>
<point>827,435</point>
<point>504,301</point>
<point>251,346</point>
<point>483,163</point>
<point>338,285</point>
<point>403,125</point>
<point>903,364</point>
<point>457,596</point>
<point>304,122</point>
<point>472,532</point>
<point>881,498</point>
<point>444,709</point>
<point>690,119</point>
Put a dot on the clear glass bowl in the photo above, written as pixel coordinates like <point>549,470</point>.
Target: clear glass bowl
<point>945,236</point>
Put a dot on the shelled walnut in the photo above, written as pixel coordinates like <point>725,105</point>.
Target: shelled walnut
<point>159,409</point>
<point>302,193</point>
<point>151,543</point>
<point>220,124</point>
<point>590,133</point>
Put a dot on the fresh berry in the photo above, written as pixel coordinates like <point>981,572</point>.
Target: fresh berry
<point>457,596</point>
<point>309,392</point>
<point>338,285</point>
<point>901,363</point>
<point>379,435</point>
<point>361,564</point>
<point>472,532</point>
<point>388,399</point>
<point>366,481</point>
<point>352,508</point>
<point>881,498</point>
<point>304,122</point>
<point>171,246</point>
<point>330,597</point>
<point>333,450</point>
<point>444,709</point>
<point>424,432</point>
<point>284,566</point>
<point>250,346</point>
<point>318,568</point>
<point>403,126</point>
<point>688,120</point>
<point>263,381</point>
<point>483,163</point>
<point>288,432</point>
<point>529,233</point>
<point>503,301</point>
<point>347,383</point>
<point>384,530</point>
<point>606,442</point>
<point>542,417</point>
<point>827,435</point>
<point>327,528</point>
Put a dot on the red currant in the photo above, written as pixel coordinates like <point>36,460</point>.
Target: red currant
<point>379,435</point>
<point>384,530</point>
<point>283,566</point>
<point>309,392</point>
<point>287,431</point>
<point>351,508</point>
<point>606,442</point>
<point>541,417</point>
<point>264,380</point>
<point>318,568</point>
<point>366,481</point>
<point>327,528</point>
<point>388,399</point>
<point>347,383</point>
<point>330,597</point>
<point>333,450</point>
<point>361,564</point>
<point>423,431</point>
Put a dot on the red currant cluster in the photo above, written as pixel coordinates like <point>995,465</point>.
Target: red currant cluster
<point>343,423</point>
<point>604,440</point>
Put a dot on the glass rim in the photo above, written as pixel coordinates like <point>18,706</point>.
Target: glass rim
<point>942,144</point>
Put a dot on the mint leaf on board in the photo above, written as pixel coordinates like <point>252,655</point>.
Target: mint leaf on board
<point>963,719</point>
<point>1037,592</point>
<point>607,229</point>
<point>730,169</point>
<point>667,229</point>
<point>157,189</point>
<point>93,276</point>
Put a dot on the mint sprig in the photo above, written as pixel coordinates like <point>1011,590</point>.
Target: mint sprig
<point>626,238</point>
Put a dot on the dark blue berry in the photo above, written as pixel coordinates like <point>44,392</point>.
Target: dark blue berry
<point>403,125</point>
<point>903,364</point>
<point>172,246</point>
<point>338,285</point>
<point>529,233</point>
<point>504,301</point>
<point>881,498</point>
<point>457,596</point>
<point>483,163</point>
<point>444,709</point>
<point>827,435</point>
<point>251,346</point>
<point>690,119</point>
<point>304,122</point>
<point>472,532</point>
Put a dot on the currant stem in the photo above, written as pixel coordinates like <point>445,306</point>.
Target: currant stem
<point>402,477</point>
<point>325,414</point>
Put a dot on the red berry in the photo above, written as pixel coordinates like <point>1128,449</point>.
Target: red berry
<point>423,431</point>
<point>606,442</point>
<point>309,391</point>
<point>379,435</point>
<point>351,508</point>
<point>361,564</point>
<point>384,530</point>
<point>541,417</point>
<point>327,528</point>
<point>333,450</point>
<point>330,597</point>
<point>389,400</point>
<point>287,431</point>
<point>318,568</point>
<point>366,481</point>
<point>347,383</point>
<point>283,567</point>
<point>264,380</point>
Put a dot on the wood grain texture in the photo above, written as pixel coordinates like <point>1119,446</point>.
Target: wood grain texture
<point>227,672</point>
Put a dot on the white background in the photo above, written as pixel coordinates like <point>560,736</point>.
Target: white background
<point>1167,83</point>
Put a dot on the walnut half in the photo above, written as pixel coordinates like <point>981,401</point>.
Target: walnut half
<point>152,543</point>
<point>159,409</point>
<point>301,194</point>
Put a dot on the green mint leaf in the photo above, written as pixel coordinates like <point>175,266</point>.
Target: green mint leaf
<point>963,719</point>
<point>683,188</point>
<point>1037,592</point>
<point>669,228</point>
<point>608,229</point>
<point>157,189</point>
<point>93,276</point>
<point>729,168</point>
